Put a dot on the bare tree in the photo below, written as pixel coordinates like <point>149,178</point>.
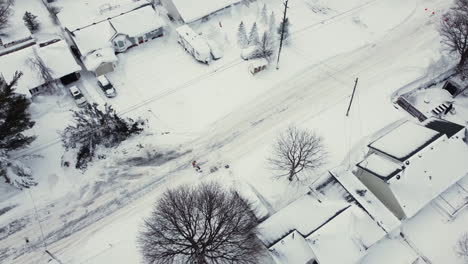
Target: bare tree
<point>297,150</point>
<point>462,247</point>
<point>202,224</point>
<point>454,32</point>
<point>44,72</point>
<point>5,13</point>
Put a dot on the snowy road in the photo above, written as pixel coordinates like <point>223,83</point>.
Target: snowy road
<point>314,89</point>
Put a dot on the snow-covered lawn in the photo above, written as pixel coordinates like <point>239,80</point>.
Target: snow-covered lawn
<point>220,114</point>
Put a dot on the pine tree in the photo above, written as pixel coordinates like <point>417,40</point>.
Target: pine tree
<point>30,21</point>
<point>14,120</point>
<point>253,36</point>
<point>94,127</point>
<point>272,24</point>
<point>286,30</point>
<point>264,15</point>
<point>266,47</point>
<point>242,36</point>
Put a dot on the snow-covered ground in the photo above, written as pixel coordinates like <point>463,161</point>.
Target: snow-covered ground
<point>217,114</point>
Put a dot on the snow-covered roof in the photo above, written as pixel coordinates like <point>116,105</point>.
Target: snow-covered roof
<point>390,251</point>
<point>16,30</point>
<point>405,140</point>
<point>292,249</point>
<point>191,12</point>
<point>426,175</point>
<point>138,22</point>
<point>195,40</point>
<point>304,215</point>
<point>78,14</point>
<point>373,206</point>
<point>94,37</point>
<point>60,67</point>
<point>94,59</point>
<point>21,61</point>
<point>380,166</point>
<point>345,238</point>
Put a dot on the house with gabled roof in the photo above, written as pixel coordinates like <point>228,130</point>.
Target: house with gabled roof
<point>64,70</point>
<point>98,42</point>
<point>412,164</point>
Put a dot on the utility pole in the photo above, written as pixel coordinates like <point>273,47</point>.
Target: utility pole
<point>282,32</point>
<point>352,96</point>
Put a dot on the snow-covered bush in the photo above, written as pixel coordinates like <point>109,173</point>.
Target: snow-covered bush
<point>242,36</point>
<point>94,127</point>
<point>253,35</point>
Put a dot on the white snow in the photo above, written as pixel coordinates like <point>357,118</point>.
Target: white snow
<point>98,57</point>
<point>292,249</point>
<point>21,61</point>
<point>93,37</point>
<point>303,215</point>
<point>381,166</point>
<point>220,113</point>
<point>191,12</point>
<point>404,140</point>
<point>367,200</point>
<point>137,22</point>
<point>345,238</point>
<point>429,173</point>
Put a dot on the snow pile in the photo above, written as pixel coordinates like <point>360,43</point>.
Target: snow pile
<point>403,141</point>
<point>191,12</point>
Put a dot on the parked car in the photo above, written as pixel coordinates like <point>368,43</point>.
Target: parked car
<point>106,86</point>
<point>258,65</point>
<point>216,51</point>
<point>249,52</point>
<point>78,96</point>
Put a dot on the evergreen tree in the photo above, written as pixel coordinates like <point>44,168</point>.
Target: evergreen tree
<point>30,21</point>
<point>94,128</point>
<point>286,30</point>
<point>242,36</point>
<point>14,120</point>
<point>272,24</point>
<point>264,15</point>
<point>266,47</point>
<point>253,36</point>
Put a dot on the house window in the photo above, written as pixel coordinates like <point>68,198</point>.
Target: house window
<point>34,91</point>
<point>121,43</point>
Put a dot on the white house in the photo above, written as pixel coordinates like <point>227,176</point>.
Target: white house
<point>64,70</point>
<point>412,164</point>
<point>98,42</point>
<point>188,11</point>
<point>313,229</point>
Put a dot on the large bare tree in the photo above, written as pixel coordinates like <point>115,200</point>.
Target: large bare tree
<point>297,150</point>
<point>454,32</point>
<point>462,247</point>
<point>44,72</point>
<point>5,13</point>
<point>200,224</point>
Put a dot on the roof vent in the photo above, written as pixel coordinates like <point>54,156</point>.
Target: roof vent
<point>398,177</point>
